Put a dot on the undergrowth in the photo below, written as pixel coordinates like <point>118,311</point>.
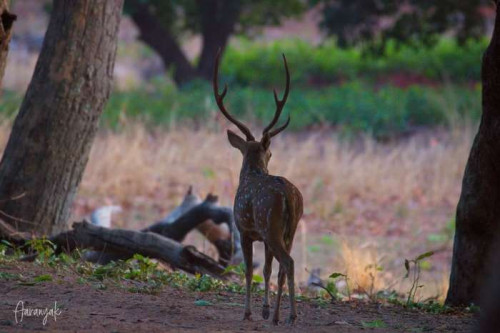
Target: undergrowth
<point>140,274</point>
<point>353,107</point>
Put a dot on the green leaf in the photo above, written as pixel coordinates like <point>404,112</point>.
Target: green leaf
<point>43,277</point>
<point>6,242</point>
<point>208,173</point>
<point>202,302</point>
<point>424,255</point>
<point>327,239</point>
<point>425,265</point>
<point>313,248</point>
<point>257,279</point>
<point>336,275</point>
<point>377,323</point>
<point>229,269</point>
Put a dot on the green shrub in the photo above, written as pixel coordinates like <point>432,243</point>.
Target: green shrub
<point>356,106</point>
<point>259,63</point>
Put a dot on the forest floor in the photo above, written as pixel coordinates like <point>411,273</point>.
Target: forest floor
<point>84,308</point>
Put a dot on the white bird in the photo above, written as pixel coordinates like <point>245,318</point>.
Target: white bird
<point>102,215</point>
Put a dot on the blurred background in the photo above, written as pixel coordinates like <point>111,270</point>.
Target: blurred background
<point>385,101</point>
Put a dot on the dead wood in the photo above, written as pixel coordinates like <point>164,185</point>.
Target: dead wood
<point>8,233</point>
<point>187,258</point>
<point>208,218</point>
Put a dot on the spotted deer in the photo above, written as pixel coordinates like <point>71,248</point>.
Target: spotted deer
<point>266,208</point>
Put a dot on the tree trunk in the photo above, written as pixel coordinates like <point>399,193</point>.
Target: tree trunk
<point>159,39</point>
<point>52,135</point>
<point>6,21</point>
<point>478,211</point>
<point>218,18</point>
<point>490,296</point>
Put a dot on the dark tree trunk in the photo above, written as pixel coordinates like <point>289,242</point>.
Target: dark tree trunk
<point>51,138</point>
<point>159,39</point>
<point>490,296</point>
<point>478,211</point>
<point>6,21</point>
<point>218,19</point>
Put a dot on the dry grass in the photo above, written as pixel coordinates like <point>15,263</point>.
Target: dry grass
<point>337,179</point>
<point>392,195</point>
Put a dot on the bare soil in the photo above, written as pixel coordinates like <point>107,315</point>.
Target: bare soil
<point>85,308</point>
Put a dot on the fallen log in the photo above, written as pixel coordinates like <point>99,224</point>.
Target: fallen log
<point>8,233</point>
<point>207,217</point>
<point>186,258</point>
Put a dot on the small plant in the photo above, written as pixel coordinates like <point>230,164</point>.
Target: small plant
<point>239,271</point>
<point>335,276</point>
<point>377,323</point>
<point>372,270</point>
<point>416,263</point>
<point>44,247</point>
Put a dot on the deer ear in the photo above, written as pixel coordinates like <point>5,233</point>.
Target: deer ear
<point>236,141</point>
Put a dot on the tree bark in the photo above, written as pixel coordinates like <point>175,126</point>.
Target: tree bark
<point>6,21</point>
<point>490,296</point>
<point>159,39</point>
<point>218,19</point>
<point>478,210</point>
<point>52,135</point>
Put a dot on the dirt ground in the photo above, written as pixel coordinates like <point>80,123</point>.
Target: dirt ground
<point>84,308</point>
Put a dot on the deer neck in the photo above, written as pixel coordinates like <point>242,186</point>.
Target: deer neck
<point>250,170</point>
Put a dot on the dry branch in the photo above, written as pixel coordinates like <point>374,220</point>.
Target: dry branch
<point>8,233</point>
<point>187,258</point>
<point>207,217</point>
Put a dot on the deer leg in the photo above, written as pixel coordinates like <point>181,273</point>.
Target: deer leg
<point>286,267</point>
<point>246,246</point>
<point>281,282</point>
<point>267,275</point>
<point>291,292</point>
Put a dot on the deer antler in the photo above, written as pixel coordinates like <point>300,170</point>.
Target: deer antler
<point>219,98</point>
<point>279,106</point>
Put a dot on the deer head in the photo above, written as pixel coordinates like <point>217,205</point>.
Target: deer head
<point>255,153</point>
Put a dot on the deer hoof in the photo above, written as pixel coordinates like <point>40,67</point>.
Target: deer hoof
<point>247,316</point>
<point>265,311</point>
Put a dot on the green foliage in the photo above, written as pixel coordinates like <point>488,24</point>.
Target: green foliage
<point>253,63</point>
<point>352,107</point>
<point>445,235</point>
<point>417,22</point>
<point>239,271</point>
<point>6,276</point>
<point>354,99</point>
<point>185,16</point>
<point>334,276</point>
<point>44,247</point>
<point>377,323</point>
<point>417,266</point>
<point>202,302</point>
<point>43,278</point>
